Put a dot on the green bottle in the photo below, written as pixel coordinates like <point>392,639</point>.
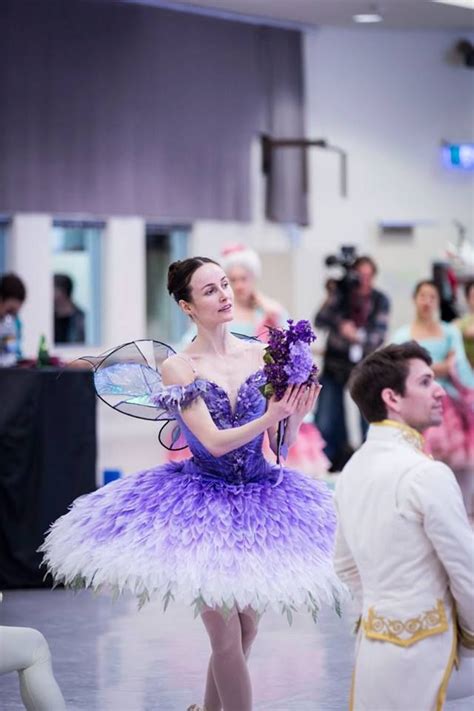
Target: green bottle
<point>43,355</point>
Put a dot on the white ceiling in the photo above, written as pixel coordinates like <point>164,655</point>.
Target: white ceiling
<point>400,14</point>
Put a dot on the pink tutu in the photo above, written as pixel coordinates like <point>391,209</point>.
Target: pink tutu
<point>307,453</point>
<point>453,441</point>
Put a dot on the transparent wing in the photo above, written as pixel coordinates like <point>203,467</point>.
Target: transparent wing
<point>127,377</point>
<point>171,437</point>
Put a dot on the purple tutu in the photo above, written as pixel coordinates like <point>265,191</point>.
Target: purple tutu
<point>225,532</point>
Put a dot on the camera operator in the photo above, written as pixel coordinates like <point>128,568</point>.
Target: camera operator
<point>355,314</point>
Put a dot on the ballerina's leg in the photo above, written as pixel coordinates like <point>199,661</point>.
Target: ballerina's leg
<point>249,626</point>
<point>249,623</point>
<point>26,651</point>
<point>229,685</point>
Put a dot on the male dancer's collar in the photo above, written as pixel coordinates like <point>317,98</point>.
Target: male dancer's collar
<point>409,434</point>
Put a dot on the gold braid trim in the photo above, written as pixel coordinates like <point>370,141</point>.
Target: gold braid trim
<point>466,638</point>
<point>409,434</point>
<point>406,633</point>
<point>441,698</point>
<point>352,694</point>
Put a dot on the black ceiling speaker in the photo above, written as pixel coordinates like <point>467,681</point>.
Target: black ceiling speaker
<point>466,50</point>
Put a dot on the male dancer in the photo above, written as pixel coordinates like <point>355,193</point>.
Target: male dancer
<point>404,543</point>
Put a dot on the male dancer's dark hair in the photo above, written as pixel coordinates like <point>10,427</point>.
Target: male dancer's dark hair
<point>385,368</point>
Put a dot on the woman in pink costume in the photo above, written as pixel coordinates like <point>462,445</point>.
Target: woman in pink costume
<point>453,441</point>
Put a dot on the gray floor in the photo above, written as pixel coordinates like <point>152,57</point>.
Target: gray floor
<point>110,657</point>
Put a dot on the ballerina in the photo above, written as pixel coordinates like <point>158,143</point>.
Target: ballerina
<point>225,529</point>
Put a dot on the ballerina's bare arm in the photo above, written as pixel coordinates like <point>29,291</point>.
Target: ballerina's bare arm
<point>197,418</point>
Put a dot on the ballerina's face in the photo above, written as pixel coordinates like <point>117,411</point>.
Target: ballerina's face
<point>427,301</point>
<point>242,281</point>
<point>212,297</point>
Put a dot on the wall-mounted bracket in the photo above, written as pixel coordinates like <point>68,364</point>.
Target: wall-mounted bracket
<point>269,144</point>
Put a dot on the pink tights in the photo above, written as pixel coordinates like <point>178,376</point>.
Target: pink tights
<point>228,684</point>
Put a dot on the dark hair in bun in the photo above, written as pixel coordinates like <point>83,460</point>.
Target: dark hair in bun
<point>426,282</point>
<point>180,274</point>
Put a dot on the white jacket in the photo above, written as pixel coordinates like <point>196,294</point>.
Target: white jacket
<point>405,548</point>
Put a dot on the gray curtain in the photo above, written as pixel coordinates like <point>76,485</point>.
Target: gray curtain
<point>127,109</point>
<point>281,55</point>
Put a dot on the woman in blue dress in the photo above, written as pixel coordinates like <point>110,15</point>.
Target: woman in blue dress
<point>224,530</point>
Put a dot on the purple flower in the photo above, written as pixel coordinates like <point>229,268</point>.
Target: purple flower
<point>299,367</point>
<point>288,358</point>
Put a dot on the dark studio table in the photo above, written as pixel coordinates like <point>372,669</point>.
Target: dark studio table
<point>47,459</point>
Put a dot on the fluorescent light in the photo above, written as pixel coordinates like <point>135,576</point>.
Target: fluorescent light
<point>468,4</point>
<point>368,17</point>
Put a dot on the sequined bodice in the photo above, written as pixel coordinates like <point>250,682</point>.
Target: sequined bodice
<point>246,463</point>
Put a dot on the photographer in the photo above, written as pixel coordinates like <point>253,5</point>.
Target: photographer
<point>356,318</point>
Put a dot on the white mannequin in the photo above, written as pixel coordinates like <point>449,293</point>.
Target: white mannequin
<point>26,651</point>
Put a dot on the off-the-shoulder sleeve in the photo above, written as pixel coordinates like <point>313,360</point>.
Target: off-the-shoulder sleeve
<point>174,398</point>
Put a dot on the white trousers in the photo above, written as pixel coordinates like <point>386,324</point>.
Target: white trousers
<point>461,683</point>
<point>26,651</point>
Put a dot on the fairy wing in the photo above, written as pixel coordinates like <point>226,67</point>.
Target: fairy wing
<point>128,379</point>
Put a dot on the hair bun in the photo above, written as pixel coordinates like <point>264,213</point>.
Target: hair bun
<point>173,270</point>
<point>179,276</point>
<point>173,267</point>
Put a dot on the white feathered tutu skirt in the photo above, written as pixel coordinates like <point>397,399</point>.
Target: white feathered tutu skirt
<point>173,532</point>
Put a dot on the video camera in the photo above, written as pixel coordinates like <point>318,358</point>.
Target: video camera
<point>345,258</point>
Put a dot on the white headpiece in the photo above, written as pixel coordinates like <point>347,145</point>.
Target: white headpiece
<point>238,255</point>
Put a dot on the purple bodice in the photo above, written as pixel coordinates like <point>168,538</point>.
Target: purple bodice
<point>242,465</point>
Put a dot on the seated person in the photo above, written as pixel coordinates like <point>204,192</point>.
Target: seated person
<point>12,298</point>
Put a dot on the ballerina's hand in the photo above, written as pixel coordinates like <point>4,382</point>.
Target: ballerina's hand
<point>307,398</point>
<point>298,400</point>
<point>286,406</point>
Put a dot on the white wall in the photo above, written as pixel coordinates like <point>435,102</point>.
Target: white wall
<point>124,307</point>
<point>29,255</point>
<point>388,98</point>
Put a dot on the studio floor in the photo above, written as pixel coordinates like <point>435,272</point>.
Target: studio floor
<point>108,656</point>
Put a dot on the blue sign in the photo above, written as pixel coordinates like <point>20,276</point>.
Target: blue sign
<point>459,155</point>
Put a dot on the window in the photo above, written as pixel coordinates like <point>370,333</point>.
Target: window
<point>165,320</point>
<point>76,260</point>
<point>4,225</point>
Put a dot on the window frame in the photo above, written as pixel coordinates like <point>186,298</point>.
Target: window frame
<point>94,247</point>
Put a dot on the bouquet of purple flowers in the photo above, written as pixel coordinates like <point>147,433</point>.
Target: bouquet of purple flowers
<point>288,361</point>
